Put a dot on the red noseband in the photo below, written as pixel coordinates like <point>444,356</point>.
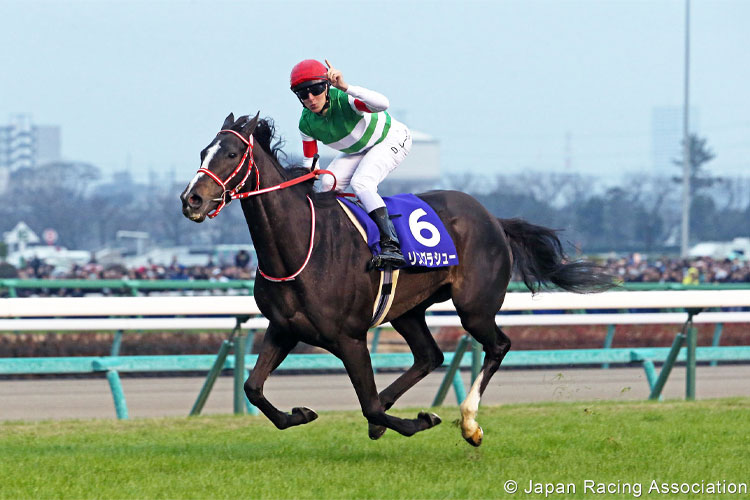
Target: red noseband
<point>228,195</point>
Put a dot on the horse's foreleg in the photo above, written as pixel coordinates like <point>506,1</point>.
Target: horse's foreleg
<point>356,358</point>
<point>276,346</point>
<point>427,357</point>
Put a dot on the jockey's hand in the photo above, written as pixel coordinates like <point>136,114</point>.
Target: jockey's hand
<point>336,78</point>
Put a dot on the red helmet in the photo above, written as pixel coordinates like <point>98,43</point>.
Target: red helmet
<point>308,70</point>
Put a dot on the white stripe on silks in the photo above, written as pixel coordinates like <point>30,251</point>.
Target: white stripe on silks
<point>378,131</point>
<point>355,135</point>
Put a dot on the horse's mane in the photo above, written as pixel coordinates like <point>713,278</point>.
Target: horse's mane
<point>266,136</point>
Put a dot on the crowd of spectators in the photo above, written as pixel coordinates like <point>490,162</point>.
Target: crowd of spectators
<point>634,268</point>
<point>242,268</point>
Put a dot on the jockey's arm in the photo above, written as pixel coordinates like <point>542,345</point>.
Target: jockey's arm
<point>309,150</point>
<point>366,100</point>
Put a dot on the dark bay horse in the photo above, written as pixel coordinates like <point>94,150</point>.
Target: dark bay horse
<point>329,303</point>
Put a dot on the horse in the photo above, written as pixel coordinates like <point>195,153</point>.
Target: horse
<point>314,285</point>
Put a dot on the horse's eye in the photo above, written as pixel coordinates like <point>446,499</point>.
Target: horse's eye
<point>233,155</point>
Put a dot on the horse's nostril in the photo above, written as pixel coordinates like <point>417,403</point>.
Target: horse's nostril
<point>195,201</point>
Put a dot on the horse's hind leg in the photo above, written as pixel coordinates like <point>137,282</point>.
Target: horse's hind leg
<point>276,346</point>
<point>353,352</point>
<point>427,357</point>
<point>496,345</point>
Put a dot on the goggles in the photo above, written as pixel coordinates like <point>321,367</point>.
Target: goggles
<point>315,89</point>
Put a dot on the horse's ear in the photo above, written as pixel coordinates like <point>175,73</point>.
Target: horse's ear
<point>228,122</point>
<point>249,127</point>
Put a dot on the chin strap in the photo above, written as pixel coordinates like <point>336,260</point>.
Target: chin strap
<point>327,104</point>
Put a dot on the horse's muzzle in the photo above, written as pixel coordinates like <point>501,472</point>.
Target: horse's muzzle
<point>191,207</point>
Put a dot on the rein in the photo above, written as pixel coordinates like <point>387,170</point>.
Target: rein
<point>228,195</point>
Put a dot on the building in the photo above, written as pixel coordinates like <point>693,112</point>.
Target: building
<point>420,171</point>
<point>26,145</point>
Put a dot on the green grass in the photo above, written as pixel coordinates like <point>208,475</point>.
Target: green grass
<point>246,457</point>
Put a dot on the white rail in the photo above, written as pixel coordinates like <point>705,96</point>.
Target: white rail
<point>96,313</point>
<point>237,305</point>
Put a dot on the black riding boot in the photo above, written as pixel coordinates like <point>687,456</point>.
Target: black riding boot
<point>390,253</point>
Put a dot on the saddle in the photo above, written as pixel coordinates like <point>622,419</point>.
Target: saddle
<point>424,240</point>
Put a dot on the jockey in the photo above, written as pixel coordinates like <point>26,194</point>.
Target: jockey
<point>353,121</point>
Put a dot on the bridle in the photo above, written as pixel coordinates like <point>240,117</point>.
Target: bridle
<point>227,195</point>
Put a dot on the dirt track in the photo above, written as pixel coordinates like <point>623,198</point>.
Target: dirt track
<point>154,397</point>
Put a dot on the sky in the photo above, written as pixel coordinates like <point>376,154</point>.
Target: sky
<point>505,86</point>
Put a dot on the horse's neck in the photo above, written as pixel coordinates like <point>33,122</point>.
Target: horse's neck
<point>279,223</point>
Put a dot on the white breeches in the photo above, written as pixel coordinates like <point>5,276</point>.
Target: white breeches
<point>364,171</point>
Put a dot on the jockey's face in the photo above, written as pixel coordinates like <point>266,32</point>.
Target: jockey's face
<point>314,103</point>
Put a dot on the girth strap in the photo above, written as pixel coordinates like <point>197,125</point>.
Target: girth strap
<point>388,279</point>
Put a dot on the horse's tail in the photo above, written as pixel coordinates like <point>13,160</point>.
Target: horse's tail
<point>539,259</point>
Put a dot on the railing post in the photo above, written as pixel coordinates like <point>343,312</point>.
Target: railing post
<point>717,339</point>
<point>211,378</point>
<point>116,343</point>
<point>650,369</point>
<point>132,287</point>
<point>239,375</point>
<point>450,374</point>
<point>608,342</point>
<point>692,343</point>
<point>118,395</point>
<point>679,340</point>
<point>458,388</point>
<point>374,345</point>
<point>476,359</point>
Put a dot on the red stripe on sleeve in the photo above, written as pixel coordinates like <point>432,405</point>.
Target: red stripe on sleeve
<point>361,106</point>
<point>309,148</point>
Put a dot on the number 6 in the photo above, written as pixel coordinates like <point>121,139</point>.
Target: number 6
<point>416,226</point>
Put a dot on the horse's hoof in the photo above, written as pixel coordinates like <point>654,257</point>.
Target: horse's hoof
<point>305,413</point>
<point>376,431</point>
<point>476,438</point>
<point>431,419</point>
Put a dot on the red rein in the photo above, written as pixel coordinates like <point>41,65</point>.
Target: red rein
<point>228,195</point>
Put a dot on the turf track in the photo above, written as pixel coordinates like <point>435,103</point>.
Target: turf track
<point>246,457</point>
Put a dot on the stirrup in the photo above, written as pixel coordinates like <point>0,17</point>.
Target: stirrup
<point>383,260</point>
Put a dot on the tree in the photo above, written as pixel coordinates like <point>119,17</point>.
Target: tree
<point>700,154</point>
<point>54,195</point>
<point>108,212</point>
<point>651,194</point>
<point>704,222</point>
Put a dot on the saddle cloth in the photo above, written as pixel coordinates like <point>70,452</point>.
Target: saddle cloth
<point>424,240</point>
